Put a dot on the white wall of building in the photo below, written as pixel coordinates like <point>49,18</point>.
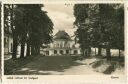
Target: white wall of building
<point>8,46</point>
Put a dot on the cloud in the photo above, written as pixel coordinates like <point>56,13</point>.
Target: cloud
<point>62,17</point>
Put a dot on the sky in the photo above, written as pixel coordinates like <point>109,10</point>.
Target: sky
<point>61,16</point>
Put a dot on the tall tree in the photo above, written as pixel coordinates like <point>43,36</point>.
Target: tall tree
<point>118,30</point>
<point>82,33</point>
<point>97,24</point>
<point>30,25</point>
<point>9,25</point>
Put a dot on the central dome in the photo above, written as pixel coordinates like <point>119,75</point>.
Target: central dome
<point>62,35</point>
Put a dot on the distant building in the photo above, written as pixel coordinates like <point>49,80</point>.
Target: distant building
<point>62,45</point>
<point>8,44</point>
<point>8,41</point>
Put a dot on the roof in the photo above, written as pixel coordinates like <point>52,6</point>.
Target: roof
<point>62,35</point>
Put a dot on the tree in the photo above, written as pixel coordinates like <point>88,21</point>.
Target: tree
<point>112,26</point>
<point>8,24</point>
<point>98,26</point>
<point>83,30</point>
<point>30,25</point>
<point>118,29</point>
<point>42,34</point>
<point>88,22</point>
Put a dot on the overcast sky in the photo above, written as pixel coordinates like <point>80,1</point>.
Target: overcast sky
<point>61,16</point>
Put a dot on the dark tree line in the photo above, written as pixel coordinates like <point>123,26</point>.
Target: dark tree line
<point>30,26</point>
<point>100,26</point>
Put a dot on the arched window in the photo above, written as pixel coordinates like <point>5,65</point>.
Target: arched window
<point>67,51</point>
<point>55,51</point>
<point>61,52</point>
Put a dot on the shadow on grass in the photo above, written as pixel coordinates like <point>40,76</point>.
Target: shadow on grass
<point>11,64</point>
<point>110,66</point>
<point>43,65</point>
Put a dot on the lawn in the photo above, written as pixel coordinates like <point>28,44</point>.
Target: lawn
<point>47,65</point>
<point>39,63</point>
<point>10,64</point>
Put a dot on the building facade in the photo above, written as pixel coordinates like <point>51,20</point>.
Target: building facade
<point>8,41</point>
<point>62,45</point>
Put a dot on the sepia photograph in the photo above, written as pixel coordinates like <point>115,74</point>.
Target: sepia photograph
<point>64,39</point>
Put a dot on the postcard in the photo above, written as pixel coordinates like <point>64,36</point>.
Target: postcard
<point>59,42</point>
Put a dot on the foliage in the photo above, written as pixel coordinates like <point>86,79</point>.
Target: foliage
<point>29,25</point>
<point>100,25</point>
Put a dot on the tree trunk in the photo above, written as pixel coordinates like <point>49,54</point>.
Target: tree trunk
<point>89,51</point>
<point>99,51</point>
<point>32,50</point>
<point>38,50</point>
<point>15,36</point>
<point>35,50</point>
<point>119,53</point>
<point>28,50</point>
<point>108,54</point>
<point>15,44</point>
<point>95,51</point>
<point>86,52</point>
<point>22,50</point>
<point>83,53</point>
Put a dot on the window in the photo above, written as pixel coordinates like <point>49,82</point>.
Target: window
<point>47,52</point>
<point>67,51</point>
<point>55,51</point>
<point>75,52</point>
<point>61,52</point>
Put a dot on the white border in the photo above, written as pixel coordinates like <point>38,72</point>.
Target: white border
<point>60,1</point>
<point>2,41</point>
<point>62,79</point>
<point>1,46</point>
<point>126,37</point>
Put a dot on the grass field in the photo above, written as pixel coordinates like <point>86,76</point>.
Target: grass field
<point>48,65</point>
<point>39,63</point>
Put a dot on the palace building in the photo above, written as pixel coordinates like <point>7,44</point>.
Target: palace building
<point>62,45</point>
